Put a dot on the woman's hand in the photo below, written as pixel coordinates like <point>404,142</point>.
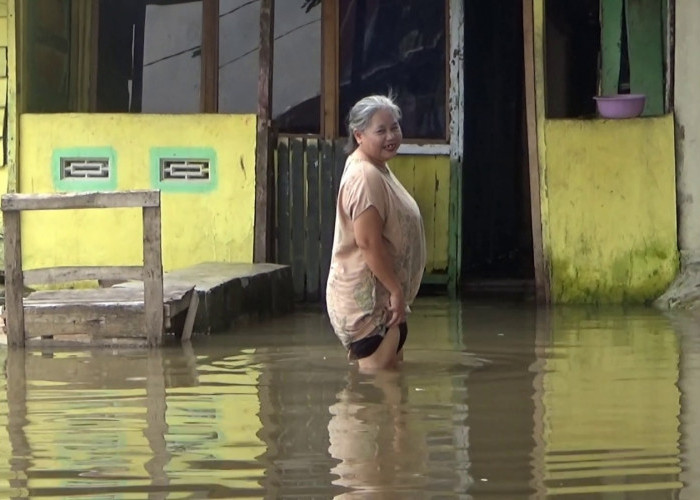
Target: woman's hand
<point>397,309</point>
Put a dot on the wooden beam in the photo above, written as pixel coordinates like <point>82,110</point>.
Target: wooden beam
<point>455,57</point>
<point>59,201</point>
<point>264,180</point>
<point>94,55</point>
<point>542,285</point>
<point>69,274</point>
<point>152,275</point>
<point>329,69</point>
<point>136,103</point>
<point>190,317</point>
<point>210,57</point>
<point>12,96</point>
<point>669,18</point>
<point>14,286</point>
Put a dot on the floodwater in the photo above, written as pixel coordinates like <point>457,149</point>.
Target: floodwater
<point>495,400</point>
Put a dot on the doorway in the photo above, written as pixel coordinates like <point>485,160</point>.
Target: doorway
<point>497,248</point>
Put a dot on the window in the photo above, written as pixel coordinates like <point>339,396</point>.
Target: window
<point>398,46</point>
<point>147,56</point>
<point>572,49</point>
<point>604,48</point>
<point>296,83</point>
<point>186,56</point>
<point>239,25</point>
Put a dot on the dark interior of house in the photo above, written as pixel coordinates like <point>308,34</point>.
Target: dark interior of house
<point>496,227</point>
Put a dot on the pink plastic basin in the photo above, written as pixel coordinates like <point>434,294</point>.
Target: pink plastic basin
<point>621,105</point>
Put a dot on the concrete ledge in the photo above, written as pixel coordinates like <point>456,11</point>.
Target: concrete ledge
<point>232,293</point>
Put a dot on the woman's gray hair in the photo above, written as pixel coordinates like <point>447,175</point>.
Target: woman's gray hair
<point>362,112</point>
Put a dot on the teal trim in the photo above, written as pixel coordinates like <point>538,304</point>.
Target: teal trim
<point>184,185</point>
<point>84,153</point>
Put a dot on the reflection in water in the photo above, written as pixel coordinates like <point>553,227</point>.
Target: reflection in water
<point>494,401</point>
<point>687,326</point>
<point>611,405</point>
<point>385,448</point>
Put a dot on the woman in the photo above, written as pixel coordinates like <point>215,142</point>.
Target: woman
<point>379,246</point>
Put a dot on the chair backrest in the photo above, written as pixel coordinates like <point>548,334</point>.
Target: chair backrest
<point>151,272</point>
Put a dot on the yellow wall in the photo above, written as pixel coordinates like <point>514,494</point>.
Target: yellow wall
<point>213,226</point>
<point>610,188</point>
<point>427,178</point>
<point>607,197</point>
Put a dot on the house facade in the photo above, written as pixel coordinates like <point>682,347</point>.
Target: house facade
<point>235,110</point>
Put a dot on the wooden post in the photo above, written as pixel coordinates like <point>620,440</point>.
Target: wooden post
<point>264,180</point>
<point>541,273</point>
<point>456,131</point>
<point>329,70</point>
<point>14,282</point>
<point>152,275</point>
<point>13,97</point>
<point>210,57</point>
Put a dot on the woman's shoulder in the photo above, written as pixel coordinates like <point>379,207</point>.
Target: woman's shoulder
<point>359,168</point>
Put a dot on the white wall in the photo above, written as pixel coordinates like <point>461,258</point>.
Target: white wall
<point>687,113</point>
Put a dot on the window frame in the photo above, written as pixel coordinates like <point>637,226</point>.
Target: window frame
<point>330,86</point>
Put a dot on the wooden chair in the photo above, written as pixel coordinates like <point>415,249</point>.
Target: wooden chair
<point>100,316</point>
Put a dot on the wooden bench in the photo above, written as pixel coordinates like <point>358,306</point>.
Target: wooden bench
<point>97,316</point>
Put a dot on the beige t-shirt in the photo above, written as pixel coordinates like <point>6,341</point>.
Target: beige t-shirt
<point>356,300</point>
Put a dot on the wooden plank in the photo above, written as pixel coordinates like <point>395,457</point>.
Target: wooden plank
<point>425,194</point>
<point>61,201</point>
<point>298,216</point>
<point>313,222</point>
<point>209,97</point>
<point>14,287</point>
<point>175,303</point>
<point>328,200</point>
<point>404,168</point>
<point>123,320</point>
<point>4,29</point>
<point>645,47</point>
<point>11,133</point>
<point>123,294</point>
<point>3,58</point>
<point>456,138</point>
<point>611,45</point>
<point>668,16</point>
<point>329,69</point>
<point>284,204</point>
<point>153,274</point>
<point>264,180</point>
<point>189,319</point>
<point>75,273</point>
<point>441,235</point>
<point>542,285</point>
<point>339,157</point>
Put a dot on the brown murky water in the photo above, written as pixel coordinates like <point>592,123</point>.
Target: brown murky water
<point>497,401</point>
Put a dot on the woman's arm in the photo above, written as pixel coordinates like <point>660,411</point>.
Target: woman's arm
<point>368,236</point>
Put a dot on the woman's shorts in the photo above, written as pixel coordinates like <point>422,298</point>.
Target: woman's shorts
<point>366,346</point>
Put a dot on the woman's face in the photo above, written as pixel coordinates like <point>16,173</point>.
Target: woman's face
<point>381,139</point>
